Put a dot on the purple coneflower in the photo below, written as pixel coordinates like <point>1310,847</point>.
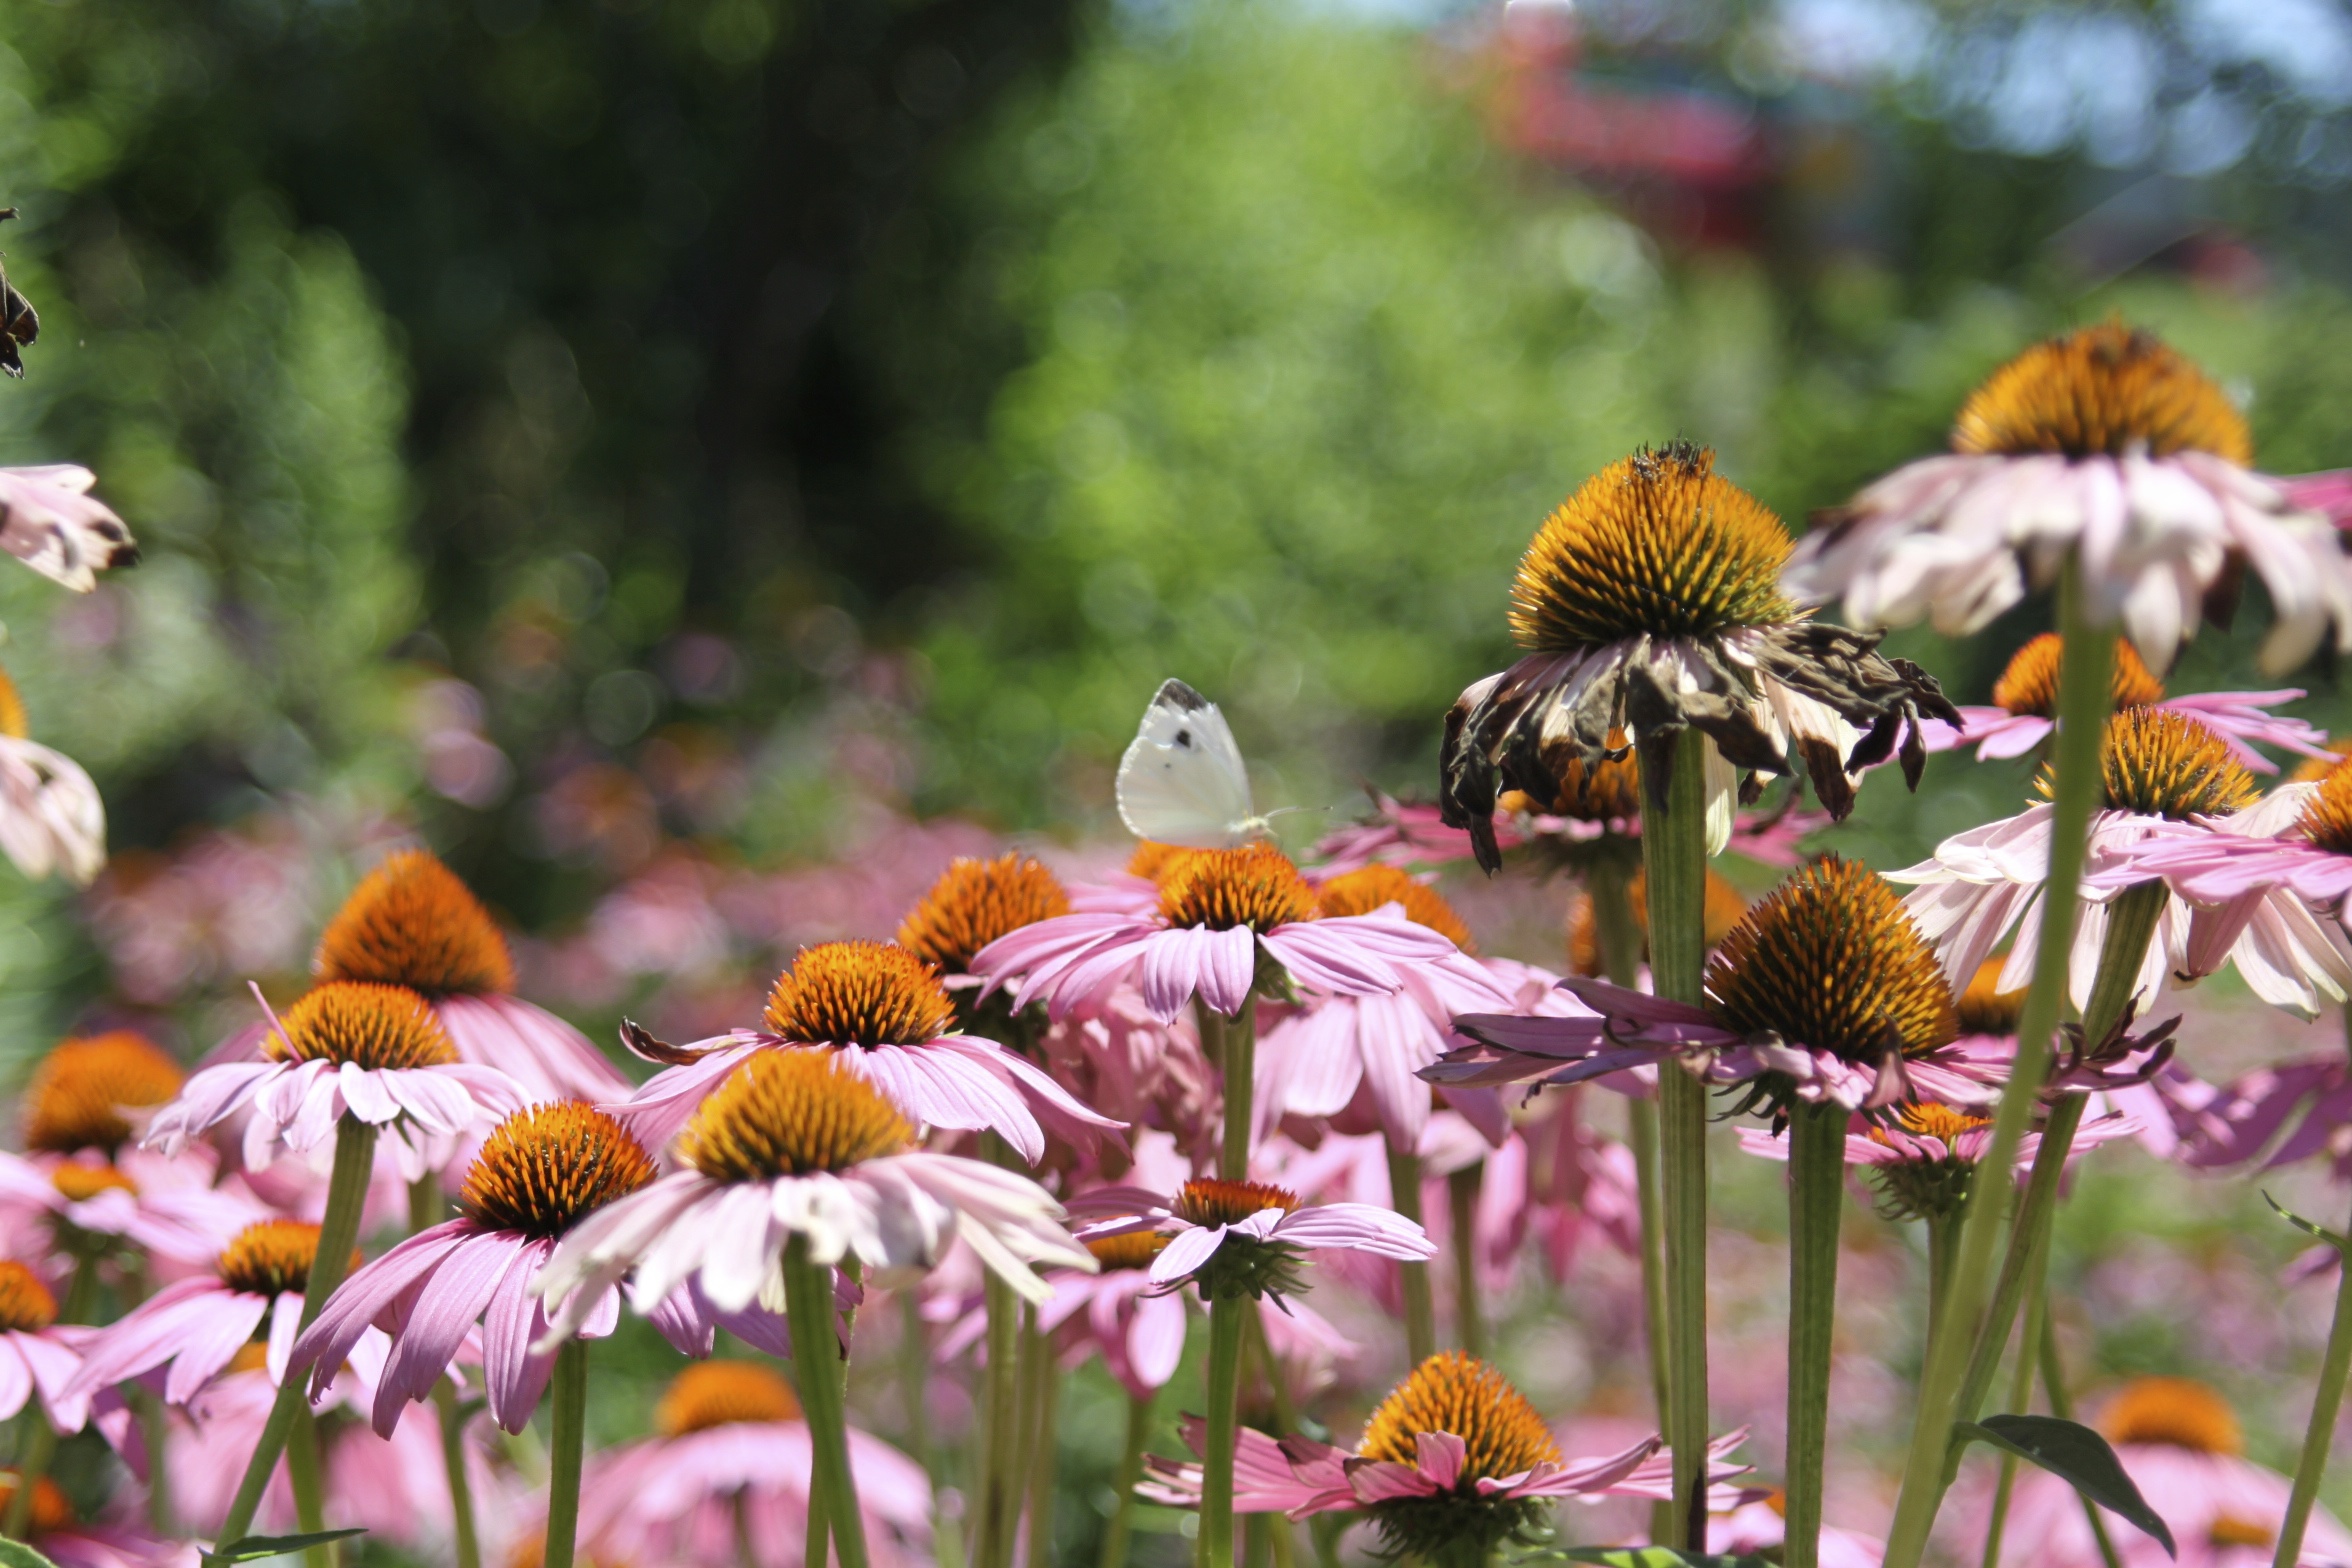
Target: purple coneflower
<point>37,1356</point>
<point>51,817</point>
<point>51,522</point>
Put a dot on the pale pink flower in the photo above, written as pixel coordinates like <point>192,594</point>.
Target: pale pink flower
<point>168,1208</point>
<point>1244,1233</point>
<point>1936,1136</point>
<point>39,1357</point>
<point>51,818</point>
<point>51,522</point>
<point>1758,1528</point>
<point>2240,718</point>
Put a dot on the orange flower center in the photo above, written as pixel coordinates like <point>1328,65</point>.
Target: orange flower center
<point>13,721</point>
<point>411,922</point>
<point>2175,1410</point>
<point>1135,1250</point>
<point>859,993</point>
<point>1151,861</point>
<point>2327,814</point>
<point>371,1026</point>
<point>2230,1530</point>
<point>2110,390</point>
<point>720,1393</point>
<point>547,1165</point>
<point>1930,1120</point>
<point>788,1113</point>
<point>271,1257</point>
<point>81,1183</point>
<point>976,901</point>
<point>1209,1201</point>
<point>2164,764</point>
<point>1985,1008</point>
<point>26,1305</point>
<point>81,1089</point>
<point>2029,686</point>
<point>52,1509</point>
<point>1362,892</point>
<point>1220,889</point>
<point>2311,769</point>
<point>1606,791</point>
<point>1452,1392</point>
<point>1723,909</point>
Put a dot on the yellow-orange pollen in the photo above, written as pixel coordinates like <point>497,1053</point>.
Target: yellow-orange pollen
<point>2175,1410</point>
<point>1209,1201</point>
<point>2029,686</point>
<point>2164,764</point>
<point>1451,1392</point>
<point>2313,769</point>
<point>1941,1122</point>
<point>1604,791</point>
<point>1831,960</point>
<point>1151,860</point>
<point>720,1393</point>
<point>1655,543</point>
<point>80,1091</point>
<point>859,993</point>
<point>788,1113</point>
<point>1985,1008</point>
<point>976,901</point>
<point>26,1305</point>
<point>1135,1250</point>
<point>2230,1530</point>
<point>370,1026</point>
<point>52,1509</point>
<point>271,1257</point>
<point>1362,892</point>
<point>13,721</point>
<point>1221,889</point>
<point>2108,390</point>
<point>81,1183</point>
<point>548,1165</point>
<point>411,922</point>
<point>1722,910</point>
<point>2327,812</point>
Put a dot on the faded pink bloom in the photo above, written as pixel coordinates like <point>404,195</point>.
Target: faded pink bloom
<point>38,1355</point>
<point>169,1208</point>
<point>51,522</point>
<point>2240,718</point>
<point>1936,1136</point>
<point>1243,1233</point>
<point>51,818</point>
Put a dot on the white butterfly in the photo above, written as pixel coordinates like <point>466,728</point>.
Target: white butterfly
<point>1182,781</point>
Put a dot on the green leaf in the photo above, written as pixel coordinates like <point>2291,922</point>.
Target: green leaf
<point>2078,1456</point>
<point>15,1554</point>
<point>1656,1557</point>
<point>2308,1227</point>
<point>254,1547</point>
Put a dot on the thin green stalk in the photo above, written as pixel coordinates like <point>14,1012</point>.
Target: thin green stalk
<point>1462,1211</point>
<point>355,1160</point>
<point>154,1430</point>
<point>38,1448</point>
<point>1121,1529</point>
<point>1674,874</point>
<point>1943,1237</point>
<point>2021,1381</point>
<point>1226,1315</point>
<point>1239,1069</point>
<point>2326,1400</point>
<point>808,1303</point>
<point>914,1380</point>
<point>567,1437</point>
<point>2062,1406</point>
<point>1257,1541</point>
<point>1817,1177</point>
<point>1404,1196</point>
<point>2084,701</point>
<point>1045,1403</point>
<point>997,1512</point>
<point>428,1206</point>
<point>1619,937</point>
<point>303,1477</point>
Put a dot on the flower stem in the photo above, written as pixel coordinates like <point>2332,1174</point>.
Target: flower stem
<point>355,1162</point>
<point>1404,1196</point>
<point>998,1512</point>
<point>567,1400</point>
<point>2319,1436</point>
<point>38,1448</point>
<point>154,1429</point>
<point>1817,1174</point>
<point>1462,1205</point>
<point>1226,1317</point>
<point>1122,1526</point>
<point>1674,875</point>
<point>1239,1067</point>
<point>2084,700</point>
<point>428,1206</point>
<point>2043,1346</point>
<point>1045,1389</point>
<point>303,1478</point>
<point>2020,1403</point>
<point>1943,1235</point>
<point>808,1302</point>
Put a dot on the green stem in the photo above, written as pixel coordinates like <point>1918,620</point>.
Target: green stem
<point>1462,1206</point>
<point>998,1507</point>
<point>1045,1401</point>
<point>154,1429</point>
<point>1226,1315</point>
<point>2084,700</point>
<point>2020,1402</point>
<point>914,1377</point>
<point>304,1479</point>
<point>1257,1541</point>
<point>1943,1237</point>
<point>1121,1529</point>
<point>428,1206</point>
<point>1404,1196</point>
<point>1817,1175</point>
<point>355,1161</point>
<point>2045,1344</point>
<point>2326,1400</point>
<point>808,1303</point>
<point>567,1439</point>
<point>1240,1068</point>
<point>1674,874</point>
<point>39,1447</point>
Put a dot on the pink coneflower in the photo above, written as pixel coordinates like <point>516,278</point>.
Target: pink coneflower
<point>37,1356</point>
<point>69,1542</point>
<point>2165,777</point>
<point>1922,1156</point>
<point>51,817</point>
<point>2179,1442</point>
<point>884,1015</point>
<point>795,1144</point>
<point>544,1169</point>
<point>2025,708</point>
<point>375,1051</point>
<point>196,1328</point>
<point>2103,445</point>
<point>725,1483</point>
<point>51,522</point>
<point>1219,911</point>
<point>1244,1238</point>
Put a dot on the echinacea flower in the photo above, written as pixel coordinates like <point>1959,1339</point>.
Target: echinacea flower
<point>2104,445</point>
<point>2025,710</point>
<point>2179,1441</point>
<point>972,904</point>
<point>543,1170</point>
<point>1650,602</point>
<point>885,1015</point>
<point>36,1358</point>
<point>51,817</point>
<point>1222,916</point>
<point>2165,776</point>
<point>1824,992</point>
<point>374,1051</point>
<point>1453,1462</point>
<point>1245,1238</point>
<point>1720,909</point>
<point>724,1482</point>
<point>69,1541</point>
<point>51,522</point>
<point>1922,1156</point>
<point>412,923</point>
<point>796,1144</point>
<point>195,1328</point>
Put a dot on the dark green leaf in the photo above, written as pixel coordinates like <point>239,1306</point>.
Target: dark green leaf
<point>15,1554</point>
<point>2308,1227</point>
<point>2077,1455</point>
<point>255,1547</point>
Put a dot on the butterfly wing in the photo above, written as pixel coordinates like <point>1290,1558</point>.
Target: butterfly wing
<point>1182,781</point>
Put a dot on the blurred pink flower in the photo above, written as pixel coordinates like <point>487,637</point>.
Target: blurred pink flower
<point>1238,1230</point>
<point>38,1355</point>
<point>1402,834</point>
<point>51,522</point>
<point>173,1208</point>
